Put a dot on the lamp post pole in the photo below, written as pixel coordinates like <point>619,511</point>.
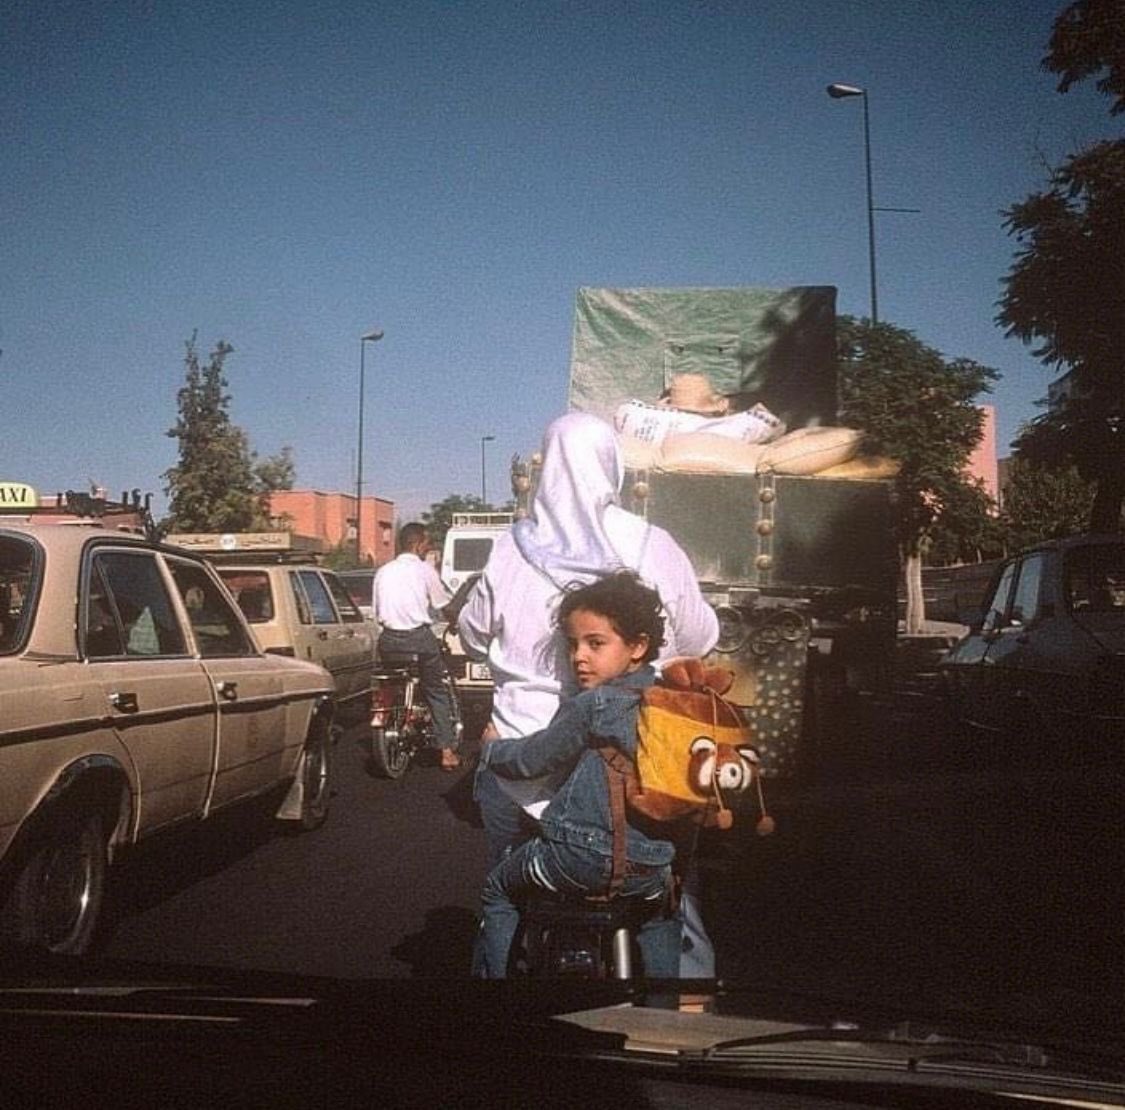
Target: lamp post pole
<point>483,485</point>
<point>368,337</point>
<point>870,212</point>
<point>837,92</point>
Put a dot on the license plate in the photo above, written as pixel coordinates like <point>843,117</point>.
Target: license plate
<point>479,672</point>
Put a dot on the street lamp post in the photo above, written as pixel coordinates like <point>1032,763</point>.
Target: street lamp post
<point>369,337</point>
<point>483,485</point>
<point>837,92</point>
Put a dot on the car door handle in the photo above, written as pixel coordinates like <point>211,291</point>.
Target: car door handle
<point>321,634</point>
<point>124,701</point>
<point>228,691</point>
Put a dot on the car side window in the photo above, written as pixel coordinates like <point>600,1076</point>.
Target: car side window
<point>997,609</point>
<point>320,602</point>
<point>304,613</point>
<point>17,561</point>
<point>360,587</point>
<point>1025,603</point>
<point>349,611</point>
<point>128,611</point>
<point>214,623</point>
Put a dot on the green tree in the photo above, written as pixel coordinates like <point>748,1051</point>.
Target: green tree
<point>439,516</point>
<point>918,408</point>
<point>1088,39</point>
<point>274,472</point>
<point>216,486</point>
<point>1065,292</point>
<point>1042,503</point>
<point>342,557</point>
<point>968,528</point>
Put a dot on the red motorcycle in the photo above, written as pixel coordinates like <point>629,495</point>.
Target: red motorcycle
<point>401,723</point>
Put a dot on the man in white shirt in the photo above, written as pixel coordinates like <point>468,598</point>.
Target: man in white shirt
<point>408,597</point>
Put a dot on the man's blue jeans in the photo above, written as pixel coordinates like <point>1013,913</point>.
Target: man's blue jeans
<point>560,868</point>
<point>423,643</point>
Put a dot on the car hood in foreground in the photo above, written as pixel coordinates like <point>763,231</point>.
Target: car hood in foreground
<point>178,1036</point>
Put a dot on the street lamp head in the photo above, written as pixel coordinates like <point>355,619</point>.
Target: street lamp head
<point>372,336</point>
<point>487,439</point>
<point>838,91</point>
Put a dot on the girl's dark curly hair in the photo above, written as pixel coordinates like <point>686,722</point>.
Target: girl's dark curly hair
<point>631,607</point>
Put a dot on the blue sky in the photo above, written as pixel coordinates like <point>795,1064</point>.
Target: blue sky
<point>287,175</point>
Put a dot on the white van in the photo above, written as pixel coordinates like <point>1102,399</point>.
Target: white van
<point>468,544</point>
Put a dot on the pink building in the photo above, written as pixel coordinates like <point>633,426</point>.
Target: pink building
<point>330,517</point>
<point>982,462</point>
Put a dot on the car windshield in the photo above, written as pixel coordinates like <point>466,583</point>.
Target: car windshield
<point>807,317</point>
<point>470,553</point>
<point>1095,579</point>
<point>251,589</point>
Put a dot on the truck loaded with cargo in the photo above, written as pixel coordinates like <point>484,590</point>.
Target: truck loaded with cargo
<point>725,401</point>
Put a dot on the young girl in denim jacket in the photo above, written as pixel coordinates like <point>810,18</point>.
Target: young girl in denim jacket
<point>613,630</point>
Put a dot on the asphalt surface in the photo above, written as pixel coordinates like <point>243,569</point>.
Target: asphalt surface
<point>387,887</point>
<point>915,865</point>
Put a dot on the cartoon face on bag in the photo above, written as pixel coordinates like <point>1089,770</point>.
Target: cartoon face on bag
<point>731,769</point>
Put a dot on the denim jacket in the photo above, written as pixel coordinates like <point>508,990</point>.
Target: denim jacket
<point>579,814</point>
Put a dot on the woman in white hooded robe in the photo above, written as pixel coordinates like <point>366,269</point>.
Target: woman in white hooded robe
<point>575,532</point>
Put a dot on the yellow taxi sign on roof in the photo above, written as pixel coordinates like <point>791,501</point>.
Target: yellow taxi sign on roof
<point>18,495</point>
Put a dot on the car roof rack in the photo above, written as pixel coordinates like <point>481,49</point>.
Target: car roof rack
<point>482,520</point>
<point>249,547</point>
<point>131,514</point>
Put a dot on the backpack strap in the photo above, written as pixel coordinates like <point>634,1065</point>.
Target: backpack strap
<point>618,767</point>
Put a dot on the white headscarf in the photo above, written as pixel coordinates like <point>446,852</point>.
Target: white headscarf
<point>565,534</point>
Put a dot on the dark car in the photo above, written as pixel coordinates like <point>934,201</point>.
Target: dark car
<point>1048,651</point>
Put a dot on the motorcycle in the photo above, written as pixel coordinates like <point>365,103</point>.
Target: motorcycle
<point>580,938</point>
<point>402,725</point>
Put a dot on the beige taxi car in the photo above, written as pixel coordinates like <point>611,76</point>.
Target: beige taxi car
<point>295,607</point>
<point>133,698</point>
<point>305,611</point>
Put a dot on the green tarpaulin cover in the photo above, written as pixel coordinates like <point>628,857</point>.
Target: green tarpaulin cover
<point>776,346</point>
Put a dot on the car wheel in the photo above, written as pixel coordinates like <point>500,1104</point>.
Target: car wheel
<point>56,897</point>
<point>316,771</point>
<point>390,755</point>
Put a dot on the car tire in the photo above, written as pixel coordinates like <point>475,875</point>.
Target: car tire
<point>390,755</point>
<point>55,899</point>
<point>316,769</point>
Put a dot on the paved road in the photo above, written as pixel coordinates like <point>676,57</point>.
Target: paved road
<point>919,869</point>
<point>387,887</point>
